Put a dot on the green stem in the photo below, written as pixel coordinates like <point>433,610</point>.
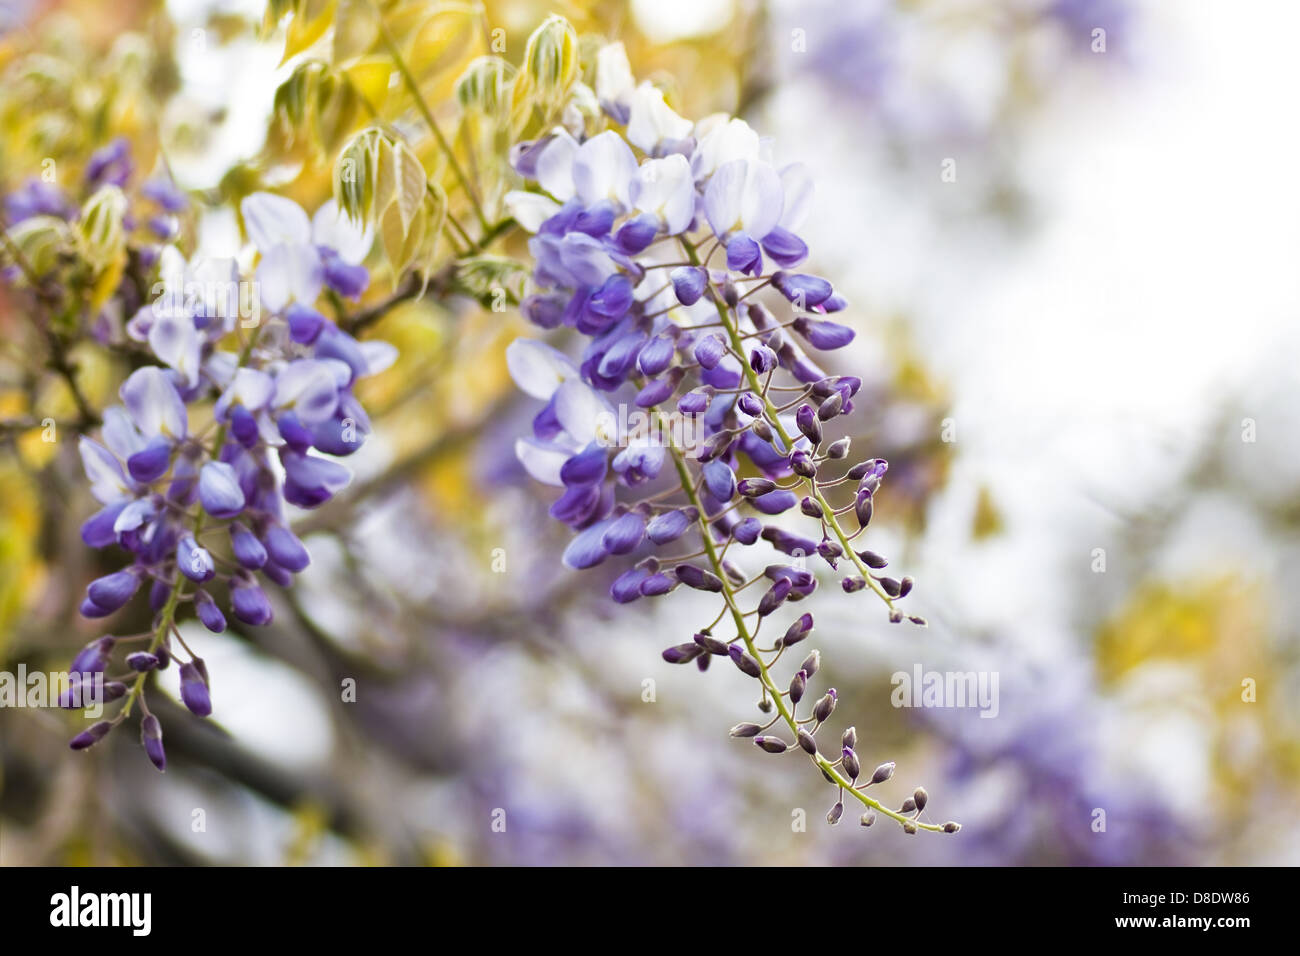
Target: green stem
<point>765,677</point>
<point>414,88</point>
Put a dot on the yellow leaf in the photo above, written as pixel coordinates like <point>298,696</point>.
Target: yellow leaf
<point>442,46</point>
<point>356,28</point>
<point>370,78</point>
<point>307,27</point>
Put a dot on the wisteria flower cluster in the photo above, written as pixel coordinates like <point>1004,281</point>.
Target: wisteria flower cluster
<point>201,511</point>
<point>673,248</point>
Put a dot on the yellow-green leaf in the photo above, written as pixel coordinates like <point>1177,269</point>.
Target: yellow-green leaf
<point>307,26</point>
<point>356,30</point>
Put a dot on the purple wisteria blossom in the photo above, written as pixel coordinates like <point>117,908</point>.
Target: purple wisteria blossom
<point>673,249</point>
<point>201,512</point>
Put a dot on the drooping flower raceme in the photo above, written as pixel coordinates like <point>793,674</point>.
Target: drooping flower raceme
<point>200,510</point>
<point>673,248</point>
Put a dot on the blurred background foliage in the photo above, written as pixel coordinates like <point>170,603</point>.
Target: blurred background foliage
<point>491,678</point>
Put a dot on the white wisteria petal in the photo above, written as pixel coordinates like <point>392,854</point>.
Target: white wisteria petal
<point>212,285</point>
<point>603,168</point>
<point>107,480</point>
<point>652,121</point>
<point>542,460</point>
<point>332,228</point>
<point>171,268</point>
<point>251,388</point>
<point>175,340</point>
<point>665,188</point>
<point>272,220</point>
<point>309,388</point>
<point>583,414</point>
<point>537,368</point>
<point>154,404</point>
<point>723,143</point>
<point>289,273</point>
<point>379,355</point>
<point>134,515</point>
<point>614,80</point>
<point>530,210</point>
<point>744,195</point>
<point>120,434</point>
<point>555,165</point>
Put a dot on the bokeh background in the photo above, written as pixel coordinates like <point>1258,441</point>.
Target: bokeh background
<point>1070,257</point>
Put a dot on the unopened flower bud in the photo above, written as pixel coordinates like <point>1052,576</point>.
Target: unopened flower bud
<point>862,508</point>
<point>811,508</point>
<point>831,551</point>
<point>806,419</point>
<point>682,653</point>
<point>908,806</point>
<point>773,597</point>
<point>712,644</point>
<point>750,404</point>
<point>753,487</point>
<point>745,730</point>
<point>743,661</point>
<point>839,449</point>
<point>851,765</point>
<point>873,560</point>
<point>824,707</point>
<point>807,742</point>
<point>849,739</point>
<point>909,827</point>
<point>773,745</point>
<point>698,578</point>
<point>798,684</point>
<point>92,735</point>
<point>831,407</point>
<point>802,465</point>
<point>141,661</point>
<point>811,663</point>
<point>868,818</point>
<point>837,811</point>
<point>798,630</point>
<point>714,446</point>
<point>920,798</point>
<point>151,738</point>
<point>883,772</point>
<point>951,827</point>
<point>194,691</point>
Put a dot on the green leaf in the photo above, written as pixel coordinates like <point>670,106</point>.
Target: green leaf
<point>495,281</point>
<point>103,236</point>
<point>39,239</point>
<point>485,86</point>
